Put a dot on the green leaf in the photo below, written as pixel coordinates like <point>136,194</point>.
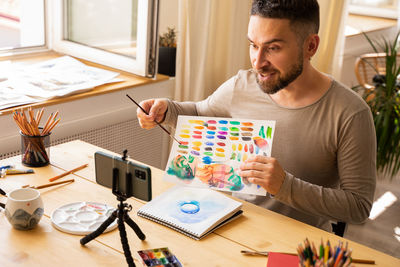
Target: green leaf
<point>384,101</point>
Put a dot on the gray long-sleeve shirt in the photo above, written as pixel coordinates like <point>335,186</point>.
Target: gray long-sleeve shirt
<point>327,149</point>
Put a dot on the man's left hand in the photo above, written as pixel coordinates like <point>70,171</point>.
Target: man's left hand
<point>263,171</point>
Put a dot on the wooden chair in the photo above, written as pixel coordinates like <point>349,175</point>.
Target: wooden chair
<point>367,66</point>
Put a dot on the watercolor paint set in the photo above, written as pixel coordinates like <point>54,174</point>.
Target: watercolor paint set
<point>211,149</point>
<point>159,257</point>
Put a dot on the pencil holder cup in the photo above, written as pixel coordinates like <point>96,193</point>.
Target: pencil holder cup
<point>35,150</point>
<point>24,208</point>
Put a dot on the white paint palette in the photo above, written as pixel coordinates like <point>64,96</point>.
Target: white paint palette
<point>82,218</point>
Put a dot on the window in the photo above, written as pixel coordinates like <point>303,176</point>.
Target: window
<point>22,25</point>
<point>118,33</point>
<point>376,8</point>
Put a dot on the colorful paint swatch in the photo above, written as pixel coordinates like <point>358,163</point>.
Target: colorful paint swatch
<point>158,257</point>
<point>212,150</point>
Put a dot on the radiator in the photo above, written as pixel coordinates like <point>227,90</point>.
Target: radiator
<point>147,146</point>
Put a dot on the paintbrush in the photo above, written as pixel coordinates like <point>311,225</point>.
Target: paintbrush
<point>49,184</point>
<point>159,124</point>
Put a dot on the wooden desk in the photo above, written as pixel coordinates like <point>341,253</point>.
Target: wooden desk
<point>257,229</point>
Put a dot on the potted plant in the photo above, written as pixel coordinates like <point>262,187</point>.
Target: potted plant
<point>167,52</point>
<point>384,101</point>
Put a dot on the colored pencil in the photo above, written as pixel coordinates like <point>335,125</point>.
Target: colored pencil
<point>337,257</point>
<point>68,172</point>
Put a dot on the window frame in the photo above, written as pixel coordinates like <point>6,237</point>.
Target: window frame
<point>375,11</point>
<point>147,31</point>
<point>32,49</point>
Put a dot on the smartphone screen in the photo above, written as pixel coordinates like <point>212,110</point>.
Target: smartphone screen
<point>140,187</point>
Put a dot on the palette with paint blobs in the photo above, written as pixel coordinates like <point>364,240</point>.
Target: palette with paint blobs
<point>211,150</point>
<point>82,218</point>
<point>159,257</point>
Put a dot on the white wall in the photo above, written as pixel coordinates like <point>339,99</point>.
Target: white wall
<point>168,15</point>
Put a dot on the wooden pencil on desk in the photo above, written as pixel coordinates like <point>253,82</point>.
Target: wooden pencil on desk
<point>68,172</point>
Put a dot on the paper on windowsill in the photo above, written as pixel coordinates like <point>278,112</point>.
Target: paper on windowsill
<point>50,79</point>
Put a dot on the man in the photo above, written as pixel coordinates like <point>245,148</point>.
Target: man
<point>323,158</point>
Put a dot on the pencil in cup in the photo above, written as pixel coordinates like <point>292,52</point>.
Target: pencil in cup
<point>35,140</point>
<point>35,150</point>
<point>338,256</point>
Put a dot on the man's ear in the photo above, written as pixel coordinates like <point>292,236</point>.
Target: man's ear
<point>311,45</point>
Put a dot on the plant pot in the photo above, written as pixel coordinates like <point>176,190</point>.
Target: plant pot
<point>167,60</point>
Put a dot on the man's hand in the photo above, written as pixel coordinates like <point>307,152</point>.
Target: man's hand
<point>263,171</point>
<point>156,108</point>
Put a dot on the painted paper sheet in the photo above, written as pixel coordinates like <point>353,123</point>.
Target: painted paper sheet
<point>212,150</point>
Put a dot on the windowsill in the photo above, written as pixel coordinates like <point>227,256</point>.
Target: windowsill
<point>356,24</point>
<point>129,80</point>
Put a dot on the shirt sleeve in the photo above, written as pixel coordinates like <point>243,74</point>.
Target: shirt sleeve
<point>356,160</point>
<point>216,105</point>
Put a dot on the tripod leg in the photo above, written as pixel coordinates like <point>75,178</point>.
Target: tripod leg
<point>99,230</point>
<point>124,239</point>
<point>134,226</point>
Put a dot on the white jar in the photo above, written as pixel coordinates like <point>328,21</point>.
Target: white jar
<point>24,208</point>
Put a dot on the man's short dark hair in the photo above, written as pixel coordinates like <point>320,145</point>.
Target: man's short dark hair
<point>302,14</point>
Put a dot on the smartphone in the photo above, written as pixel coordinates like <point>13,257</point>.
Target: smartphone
<point>138,184</point>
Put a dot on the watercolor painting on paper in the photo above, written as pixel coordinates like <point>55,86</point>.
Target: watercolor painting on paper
<point>211,150</point>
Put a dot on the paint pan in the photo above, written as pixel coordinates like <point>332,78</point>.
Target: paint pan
<point>158,257</point>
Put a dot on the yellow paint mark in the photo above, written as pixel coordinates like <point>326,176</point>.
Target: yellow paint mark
<point>196,143</point>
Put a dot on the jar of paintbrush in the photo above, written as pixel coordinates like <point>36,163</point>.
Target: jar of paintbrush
<point>35,140</point>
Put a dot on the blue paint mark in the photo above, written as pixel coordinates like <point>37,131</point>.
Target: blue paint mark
<point>190,207</point>
<point>207,160</point>
<point>223,122</point>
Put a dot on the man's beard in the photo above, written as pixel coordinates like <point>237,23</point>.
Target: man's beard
<point>272,87</point>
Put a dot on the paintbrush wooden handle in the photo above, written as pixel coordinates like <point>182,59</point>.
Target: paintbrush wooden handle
<point>52,184</point>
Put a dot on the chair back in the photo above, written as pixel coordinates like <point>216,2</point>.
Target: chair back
<point>367,66</point>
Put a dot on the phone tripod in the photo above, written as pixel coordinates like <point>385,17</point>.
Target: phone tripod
<point>122,214</point>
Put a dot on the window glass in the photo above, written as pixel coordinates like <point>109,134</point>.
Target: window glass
<point>118,33</point>
<point>21,24</point>
<point>110,25</point>
<point>376,3</point>
<point>374,8</point>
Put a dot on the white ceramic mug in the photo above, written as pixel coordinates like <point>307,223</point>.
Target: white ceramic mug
<point>24,208</point>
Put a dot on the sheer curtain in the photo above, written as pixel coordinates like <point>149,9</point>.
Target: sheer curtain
<point>333,16</point>
<point>213,46</point>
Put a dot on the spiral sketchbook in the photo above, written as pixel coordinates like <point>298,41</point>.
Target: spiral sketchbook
<point>195,212</point>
